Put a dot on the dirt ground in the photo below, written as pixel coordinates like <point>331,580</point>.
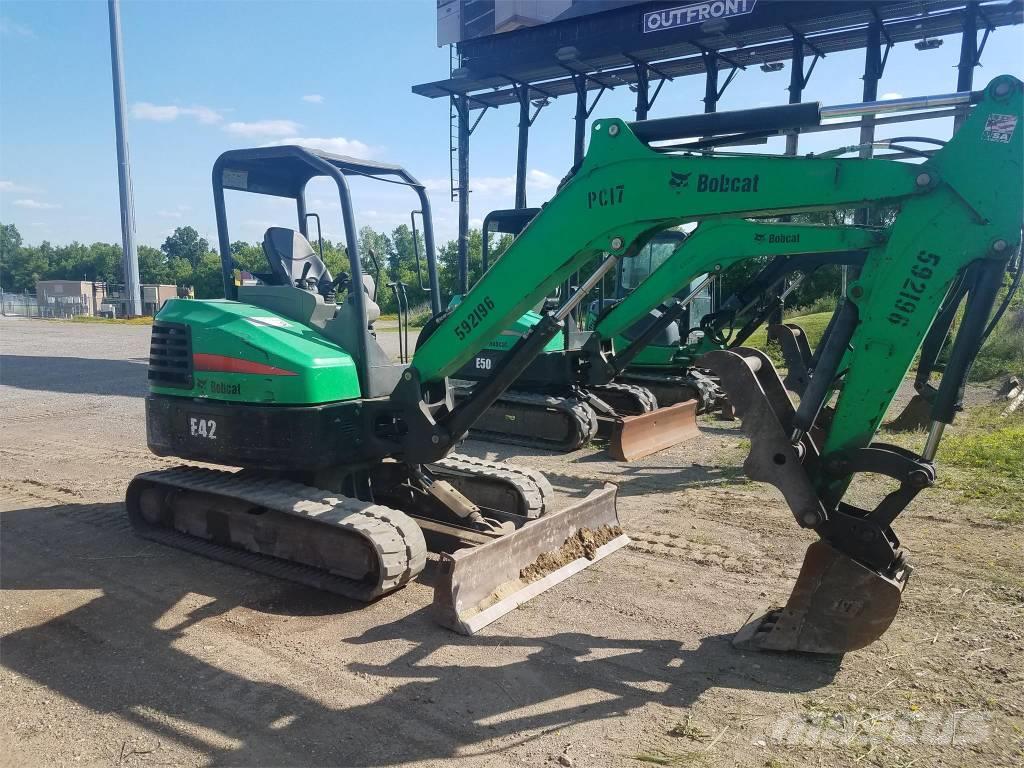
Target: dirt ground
<point>120,652</point>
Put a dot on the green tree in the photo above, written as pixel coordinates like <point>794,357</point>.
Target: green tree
<point>447,257</point>
<point>153,266</point>
<point>185,243</point>
<point>179,272</point>
<point>248,257</point>
<point>29,265</point>
<point>104,262</point>
<point>207,277</point>
<point>10,253</point>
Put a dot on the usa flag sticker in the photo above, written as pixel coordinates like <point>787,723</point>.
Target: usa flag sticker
<point>999,128</point>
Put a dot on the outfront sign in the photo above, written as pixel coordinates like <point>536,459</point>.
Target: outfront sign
<point>697,13</point>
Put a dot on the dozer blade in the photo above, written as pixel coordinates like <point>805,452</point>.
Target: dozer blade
<point>837,605</point>
<point>633,437</point>
<point>917,415</point>
<point>478,585</point>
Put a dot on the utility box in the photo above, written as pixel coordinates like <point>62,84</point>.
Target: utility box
<point>153,297</point>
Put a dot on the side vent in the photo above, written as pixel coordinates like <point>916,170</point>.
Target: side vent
<point>170,355</point>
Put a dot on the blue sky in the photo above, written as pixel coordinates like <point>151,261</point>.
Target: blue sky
<point>203,77</point>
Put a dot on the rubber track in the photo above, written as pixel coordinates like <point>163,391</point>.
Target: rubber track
<point>644,398</point>
<point>708,392</point>
<point>397,539</point>
<point>530,484</point>
<point>579,415</point>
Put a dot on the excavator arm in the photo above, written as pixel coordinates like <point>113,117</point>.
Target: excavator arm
<point>624,193</point>
<point>955,240</point>
<point>717,245</point>
<point>958,214</point>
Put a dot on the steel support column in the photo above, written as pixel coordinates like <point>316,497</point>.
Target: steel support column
<point>643,104</point>
<point>711,82</point>
<point>796,88</point>
<point>872,74</point>
<point>580,138</point>
<point>129,255</point>
<point>462,108</point>
<point>523,91</point>
<point>969,56</point>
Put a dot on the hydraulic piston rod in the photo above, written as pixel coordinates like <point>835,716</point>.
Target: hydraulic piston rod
<point>899,105</point>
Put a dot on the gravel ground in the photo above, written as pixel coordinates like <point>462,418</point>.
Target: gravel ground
<point>117,651</point>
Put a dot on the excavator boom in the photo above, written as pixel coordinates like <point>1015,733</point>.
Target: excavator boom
<point>959,214</point>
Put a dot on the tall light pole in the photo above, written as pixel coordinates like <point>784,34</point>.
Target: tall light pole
<point>129,256</point>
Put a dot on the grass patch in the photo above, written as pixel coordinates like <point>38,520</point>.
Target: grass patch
<point>1003,353</point>
<point>814,326</point>
<point>982,460</point>
<point>115,321</point>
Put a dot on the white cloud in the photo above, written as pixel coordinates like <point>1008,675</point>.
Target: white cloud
<point>14,29</point>
<point>337,145</point>
<point>537,181</point>
<point>263,128</point>
<point>541,180</point>
<point>35,204</point>
<point>169,214</point>
<point>144,110</point>
<point>10,186</point>
<point>891,95</point>
<point>313,98</point>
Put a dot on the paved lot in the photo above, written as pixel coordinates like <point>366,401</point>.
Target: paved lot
<point>116,651</point>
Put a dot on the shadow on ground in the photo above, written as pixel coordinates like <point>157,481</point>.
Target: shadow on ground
<point>445,695</point>
<point>75,375</point>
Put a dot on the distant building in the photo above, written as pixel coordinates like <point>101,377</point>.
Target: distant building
<point>68,298</point>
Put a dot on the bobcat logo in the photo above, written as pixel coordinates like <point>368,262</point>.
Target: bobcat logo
<point>759,237</point>
<point>679,180</point>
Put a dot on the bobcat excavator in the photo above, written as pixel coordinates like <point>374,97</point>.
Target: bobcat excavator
<point>345,455</point>
<point>597,362</point>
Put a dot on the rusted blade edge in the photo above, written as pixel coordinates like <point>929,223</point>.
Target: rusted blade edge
<point>469,577</point>
<point>638,436</point>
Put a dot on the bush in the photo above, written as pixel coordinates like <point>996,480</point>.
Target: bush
<point>826,303</point>
<point>1003,353</point>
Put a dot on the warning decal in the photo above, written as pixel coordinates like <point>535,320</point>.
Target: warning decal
<point>1000,128</point>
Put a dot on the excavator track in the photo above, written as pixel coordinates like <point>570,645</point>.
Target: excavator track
<point>670,388</point>
<point>280,528</point>
<point>626,399</point>
<point>536,421</point>
<point>515,491</point>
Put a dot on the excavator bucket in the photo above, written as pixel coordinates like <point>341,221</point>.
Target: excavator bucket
<point>837,605</point>
<point>917,415</point>
<point>633,437</point>
<point>478,585</point>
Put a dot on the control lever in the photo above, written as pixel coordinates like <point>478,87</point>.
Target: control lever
<point>303,282</point>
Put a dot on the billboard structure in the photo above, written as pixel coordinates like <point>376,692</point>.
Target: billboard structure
<point>528,52</point>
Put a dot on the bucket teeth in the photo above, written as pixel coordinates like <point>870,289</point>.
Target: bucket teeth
<point>837,605</point>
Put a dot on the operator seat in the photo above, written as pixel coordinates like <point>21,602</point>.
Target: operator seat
<point>288,253</point>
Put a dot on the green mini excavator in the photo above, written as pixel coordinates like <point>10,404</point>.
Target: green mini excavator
<point>346,466</point>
